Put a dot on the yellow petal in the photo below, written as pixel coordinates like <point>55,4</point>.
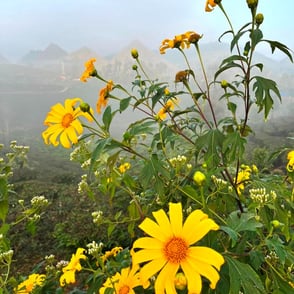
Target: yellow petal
<point>151,268</point>
<point>153,229</point>
<point>71,134</point>
<point>64,140</point>
<point>194,282</point>
<point>207,255</point>
<point>195,228</point>
<point>144,255</point>
<point>176,218</point>
<point>148,243</point>
<point>163,222</point>
<point>166,275</point>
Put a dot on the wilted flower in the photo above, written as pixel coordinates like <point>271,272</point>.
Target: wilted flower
<point>90,70</point>
<point>103,95</point>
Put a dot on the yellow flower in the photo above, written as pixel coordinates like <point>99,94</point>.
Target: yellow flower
<point>168,106</point>
<point>90,70</point>
<point>30,283</point>
<point>113,252</point>
<point>124,167</point>
<point>123,282</point>
<point>180,41</point>
<point>209,5</point>
<point>103,95</point>
<point>62,120</point>
<point>169,249</point>
<point>242,178</point>
<point>290,165</point>
<point>68,276</point>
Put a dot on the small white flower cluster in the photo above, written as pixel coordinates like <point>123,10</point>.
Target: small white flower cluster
<point>39,201</point>
<point>272,257</point>
<point>86,164</point>
<point>83,184</point>
<point>260,195</point>
<point>94,248</point>
<point>180,161</point>
<point>220,183</point>
<point>61,264</point>
<point>97,217</point>
<point>6,256</point>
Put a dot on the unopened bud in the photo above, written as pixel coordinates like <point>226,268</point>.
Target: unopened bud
<point>252,3</point>
<point>275,223</point>
<point>134,67</point>
<point>199,178</point>
<point>85,107</point>
<point>134,53</point>
<point>224,84</point>
<point>259,18</point>
<point>180,281</point>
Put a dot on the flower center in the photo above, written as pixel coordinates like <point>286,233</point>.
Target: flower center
<point>124,290</point>
<point>175,250</point>
<point>67,120</point>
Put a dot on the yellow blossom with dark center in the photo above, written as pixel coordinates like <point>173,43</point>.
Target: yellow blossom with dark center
<point>63,122</point>
<point>68,276</point>
<point>30,283</point>
<point>168,250</point>
<point>90,70</point>
<point>103,95</point>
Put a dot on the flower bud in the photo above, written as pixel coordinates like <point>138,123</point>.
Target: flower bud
<point>134,67</point>
<point>224,84</point>
<point>259,18</point>
<point>252,3</point>
<point>134,53</point>
<point>180,281</point>
<point>199,178</point>
<point>85,107</point>
<point>275,223</point>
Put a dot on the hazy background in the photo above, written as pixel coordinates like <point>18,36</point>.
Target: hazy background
<point>108,26</point>
<point>44,44</point>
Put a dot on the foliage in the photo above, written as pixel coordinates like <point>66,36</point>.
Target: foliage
<point>180,150</point>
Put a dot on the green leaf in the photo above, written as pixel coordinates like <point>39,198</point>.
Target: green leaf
<point>239,34</point>
<point>243,221</point>
<point>263,88</point>
<point>234,146</point>
<point>281,47</point>
<point>107,117</point>
<point>232,233</point>
<point>124,104</point>
<point>256,36</point>
<point>276,244</point>
<point>190,192</point>
<point>243,278</point>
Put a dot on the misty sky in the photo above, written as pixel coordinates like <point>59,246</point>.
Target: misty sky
<point>108,26</point>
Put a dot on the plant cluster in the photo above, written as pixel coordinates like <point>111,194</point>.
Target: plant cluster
<point>185,212</point>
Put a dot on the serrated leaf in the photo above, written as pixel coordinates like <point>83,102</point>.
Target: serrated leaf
<point>243,221</point>
<point>281,47</point>
<point>243,278</point>
<point>263,88</point>
<point>232,233</point>
<point>234,146</point>
<point>256,36</point>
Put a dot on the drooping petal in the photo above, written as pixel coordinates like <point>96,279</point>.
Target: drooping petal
<point>197,226</point>
<point>167,274</point>
<point>206,270</point>
<point>194,282</point>
<point>207,255</point>
<point>78,126</point>
<point>64,140</point>
<point>176,218</point>
<point>151,268</point>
